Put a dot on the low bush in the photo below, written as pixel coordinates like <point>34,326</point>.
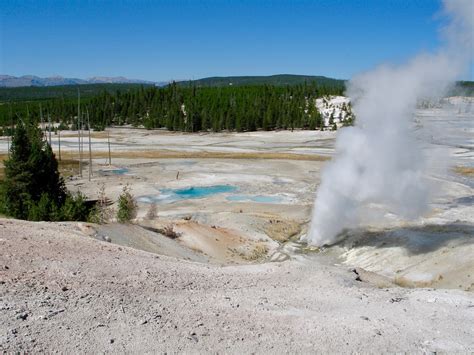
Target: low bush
<point>169,232</point>
<point>151,213</point>
<point>127,207</point>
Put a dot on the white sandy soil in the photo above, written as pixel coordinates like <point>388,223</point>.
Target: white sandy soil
<point>85,288</point>
<point>61,291</point>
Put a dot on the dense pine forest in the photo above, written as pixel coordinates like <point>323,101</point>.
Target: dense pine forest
<point>202,105</point>
<point>177,107</point>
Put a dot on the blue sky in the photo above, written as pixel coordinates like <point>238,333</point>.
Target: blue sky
<point>163,40</point>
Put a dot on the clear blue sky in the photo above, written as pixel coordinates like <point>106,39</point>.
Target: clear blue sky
<point>162,40</point>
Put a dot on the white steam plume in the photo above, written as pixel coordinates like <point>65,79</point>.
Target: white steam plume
<point>378,161</point>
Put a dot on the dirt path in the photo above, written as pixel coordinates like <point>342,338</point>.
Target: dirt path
<point>63,291</point>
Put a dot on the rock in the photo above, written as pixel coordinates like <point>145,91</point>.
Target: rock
<point>6,267</point>
<point>358,276</point>
<point>53,313</point>
<point>396,299</point>
<point>279,257</point>
<point>112,341</point>
<point>364,318</point>
<point>64,288</point>
<point>194,337</point>
<point>22,316</point>
<point>107,239</point>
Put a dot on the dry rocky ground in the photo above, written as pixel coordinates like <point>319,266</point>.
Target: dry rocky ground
<point>64,288</point>
<point>63,291</point>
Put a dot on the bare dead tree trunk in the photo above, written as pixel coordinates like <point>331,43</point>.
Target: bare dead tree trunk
<point>90,148</point>
<point>49,129</point>
<point>59,143</point>
<point>108,141</point>
<point>79,129</point>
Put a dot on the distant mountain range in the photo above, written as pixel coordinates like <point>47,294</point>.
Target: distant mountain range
<point>30,86</point>
<point>10,81</point>
<point>31,80</point>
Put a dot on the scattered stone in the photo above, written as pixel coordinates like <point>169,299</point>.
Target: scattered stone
<point>279,257</point>
<point>358,276</point>
<point>364,318</point>
<point>22,316</point>
<point>396,299</point>
<point>64,288</point>
<point>53,313</point>
<point>194,337</point>
<point>112,341</point>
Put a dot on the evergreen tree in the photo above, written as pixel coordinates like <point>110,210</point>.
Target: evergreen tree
<point>32,187</point>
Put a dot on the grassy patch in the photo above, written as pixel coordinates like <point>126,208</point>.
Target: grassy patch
<point>259,251</point>
<point>281,230</point>
<point>170,154</point>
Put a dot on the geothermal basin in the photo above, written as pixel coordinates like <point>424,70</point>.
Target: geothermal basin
<point>240,198</point>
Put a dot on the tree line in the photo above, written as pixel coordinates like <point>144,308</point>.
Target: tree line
<point>184,108</point>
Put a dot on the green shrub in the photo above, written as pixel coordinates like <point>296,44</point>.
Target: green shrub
<point>63,127</point>
<point>127,207</point>
<point>100,213</point>
<point>41,210</point>
<point>94,216</point>
<point>74,208</point>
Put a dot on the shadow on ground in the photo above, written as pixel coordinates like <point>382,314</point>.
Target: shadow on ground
<point>415,240</point>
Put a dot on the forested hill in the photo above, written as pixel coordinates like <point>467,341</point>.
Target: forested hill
<point>28,93</point>
<point>276,80</point>
<point>184,108</point>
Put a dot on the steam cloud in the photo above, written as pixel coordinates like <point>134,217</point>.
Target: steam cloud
<point>378,161</point>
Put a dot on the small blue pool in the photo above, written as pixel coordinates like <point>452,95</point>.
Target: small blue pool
<point>203,191</point>
<point>193,192</point>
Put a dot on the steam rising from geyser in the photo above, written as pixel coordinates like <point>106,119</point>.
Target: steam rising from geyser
<point>378,163</point>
